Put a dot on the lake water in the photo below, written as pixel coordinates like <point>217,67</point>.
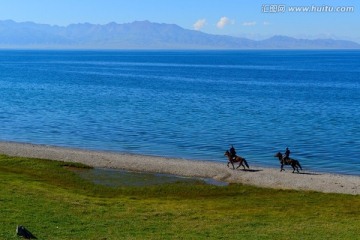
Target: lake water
<point>188,104</point>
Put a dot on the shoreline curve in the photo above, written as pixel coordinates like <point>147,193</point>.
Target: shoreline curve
<point>256,176</point>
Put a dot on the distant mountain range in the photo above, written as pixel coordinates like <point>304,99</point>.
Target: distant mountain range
<point>142,35</point>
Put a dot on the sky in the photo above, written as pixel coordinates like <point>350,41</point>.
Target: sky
<point>255,19</point>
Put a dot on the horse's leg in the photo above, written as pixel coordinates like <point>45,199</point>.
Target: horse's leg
<point>282,167</point>
<point>295,165</point>
<point>244,163</point>
<point>298,163</point>
<point>237,159</point>
<point>231,164</point>
<point>240,163</point>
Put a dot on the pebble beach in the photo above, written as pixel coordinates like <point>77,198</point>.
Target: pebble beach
<point>256,176</point>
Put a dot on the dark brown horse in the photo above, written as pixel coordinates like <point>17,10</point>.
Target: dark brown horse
<point>289,161</point>
<point>240,160</point>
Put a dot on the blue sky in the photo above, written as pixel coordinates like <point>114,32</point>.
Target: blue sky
<point>249,18</point>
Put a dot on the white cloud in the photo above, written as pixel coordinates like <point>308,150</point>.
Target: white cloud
<point>199,24</point>
<point>266,23</point>
<point>249,24</point>
<point>223,22</point>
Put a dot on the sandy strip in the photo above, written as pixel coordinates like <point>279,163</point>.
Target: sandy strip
<point>263,177</point>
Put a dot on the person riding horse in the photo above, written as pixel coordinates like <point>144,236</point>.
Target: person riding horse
<point>232,152</point>
<point>286,156</point>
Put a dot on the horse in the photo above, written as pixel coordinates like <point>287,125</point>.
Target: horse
<point>238,159</point>
<point>289,161</point>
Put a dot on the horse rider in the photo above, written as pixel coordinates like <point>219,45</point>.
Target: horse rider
<point>232,152</point>
<point>286,155</point>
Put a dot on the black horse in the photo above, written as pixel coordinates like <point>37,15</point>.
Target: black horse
<point>238,159</point>
<point>288,161</point>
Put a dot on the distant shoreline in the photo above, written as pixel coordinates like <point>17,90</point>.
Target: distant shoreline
<point>257,176</point>
<point>158,36</point>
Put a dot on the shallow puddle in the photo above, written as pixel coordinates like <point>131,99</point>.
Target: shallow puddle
<point>117,177</point>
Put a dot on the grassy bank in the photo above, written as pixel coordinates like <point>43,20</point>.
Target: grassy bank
<point>53,202</point>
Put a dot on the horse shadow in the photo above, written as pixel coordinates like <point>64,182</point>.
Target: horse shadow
<point>250,170</point>
<point>308,173</point>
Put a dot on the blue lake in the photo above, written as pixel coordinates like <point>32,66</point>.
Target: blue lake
<point>188,104</point>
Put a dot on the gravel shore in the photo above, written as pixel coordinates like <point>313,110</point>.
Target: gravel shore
<point>257,176</point>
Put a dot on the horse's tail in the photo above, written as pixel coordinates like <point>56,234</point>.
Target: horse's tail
<point>246,164</point>
<point>298,163</point>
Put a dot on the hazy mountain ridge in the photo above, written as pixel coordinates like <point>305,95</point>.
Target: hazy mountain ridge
<point>143,35</point>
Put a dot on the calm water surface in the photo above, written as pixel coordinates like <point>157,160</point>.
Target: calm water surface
<point>188,104</point>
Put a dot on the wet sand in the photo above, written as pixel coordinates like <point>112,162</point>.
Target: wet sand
<point>257,176</point>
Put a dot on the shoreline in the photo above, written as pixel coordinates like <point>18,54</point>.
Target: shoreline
<point>256,176</point>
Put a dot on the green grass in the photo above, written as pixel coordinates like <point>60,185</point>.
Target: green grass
<point>55,203</point>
